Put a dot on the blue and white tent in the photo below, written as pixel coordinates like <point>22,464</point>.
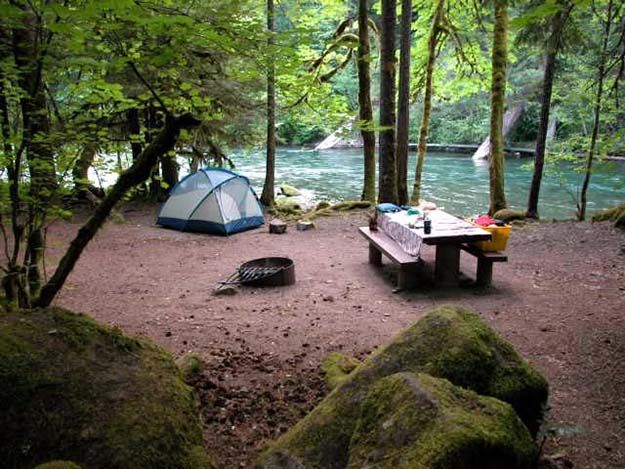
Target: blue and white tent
<point>214,201</point>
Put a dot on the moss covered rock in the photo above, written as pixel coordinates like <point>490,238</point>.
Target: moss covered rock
<point>324,209</point>
<point>75,390</point>
<point>414,421</point>
<point>58,465</point>
<point>448,342</point>
<point>337,367</point>
<point>285,206</point>
<point>615,214</point>
<point>507,215</point>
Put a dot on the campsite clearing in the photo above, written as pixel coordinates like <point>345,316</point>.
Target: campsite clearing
<point>560,301</point>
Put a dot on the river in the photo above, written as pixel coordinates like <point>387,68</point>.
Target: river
<point>452,181</point>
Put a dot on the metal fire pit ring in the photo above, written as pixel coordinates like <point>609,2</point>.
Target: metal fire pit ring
<point>267,272</point>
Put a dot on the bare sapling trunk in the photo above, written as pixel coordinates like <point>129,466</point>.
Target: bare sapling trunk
<point>387,186</point>
<point>268,195</point>
<point>552,46</point>
<point>364,101</point>
<point>403,107</point>
<point>138,173</point>
<point>427,101</point>
<point>497,100</point>
<point>80,173</point>
<point>601,72</point>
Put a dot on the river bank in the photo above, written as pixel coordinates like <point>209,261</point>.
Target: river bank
<point>452,181</point>
<point>559,301</point>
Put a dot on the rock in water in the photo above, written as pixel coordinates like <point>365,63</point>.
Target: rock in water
<point>449,342</point>
<point>288,191</point>
<point>415,421</point>
<point>88,394</point>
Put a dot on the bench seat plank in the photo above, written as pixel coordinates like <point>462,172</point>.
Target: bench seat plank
<point>381,243</point>
<point>389,247</point>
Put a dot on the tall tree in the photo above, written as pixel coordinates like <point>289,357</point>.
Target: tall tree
<point>31,40</point>
<point>387,186</point>
<point>403,105</point>
<point>435,33</point>
<point>268,195</point>
<point>552,45</point>
<point>607,24</point>
<point>497,102</point>
<point>364,101</point>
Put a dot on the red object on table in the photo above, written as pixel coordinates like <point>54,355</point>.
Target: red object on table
<point>484,220</point>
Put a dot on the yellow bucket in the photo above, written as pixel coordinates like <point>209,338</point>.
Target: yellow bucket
<point>499,238</point>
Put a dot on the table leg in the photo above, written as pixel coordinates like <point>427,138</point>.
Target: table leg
<point>375,256</point>
<point>447,264</point>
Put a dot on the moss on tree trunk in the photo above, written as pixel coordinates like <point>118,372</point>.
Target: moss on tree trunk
<point>364,101</point>
<point>387,186</point>
<point>497,102</point>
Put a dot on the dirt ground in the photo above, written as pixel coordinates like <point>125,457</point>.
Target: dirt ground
<point>560,300</point>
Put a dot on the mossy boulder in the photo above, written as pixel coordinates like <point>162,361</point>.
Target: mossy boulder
<point>337,367</point>
<point>507,215</point>
<point>414,421</point>
<point>448,342</point>
<point>58,465</point>
<point>288,191</point>
<point>285,207</point>
<point>615,214</point>
<point>75,390</point>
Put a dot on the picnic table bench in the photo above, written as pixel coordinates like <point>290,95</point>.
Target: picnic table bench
<point>485,260</point>
<point>380,243</point>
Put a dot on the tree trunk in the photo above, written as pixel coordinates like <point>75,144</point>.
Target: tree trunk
<point>27,48</point>
<point>403,111</point>
<point>387,186</point>
<point>135,132</point>
<point>364,101</point>
<point>581,205</point>
<point>169,168</point>
<point>136,174</point>
<point>510,120</point>
<point>427,101</point>
<point>268,195</point>
<point>497,100</point>
<point>552,46</point>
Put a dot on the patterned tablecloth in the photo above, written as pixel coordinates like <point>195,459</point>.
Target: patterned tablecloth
<point>397,226</point>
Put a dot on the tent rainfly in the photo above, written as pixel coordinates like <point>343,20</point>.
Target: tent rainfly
<point>212,200</point>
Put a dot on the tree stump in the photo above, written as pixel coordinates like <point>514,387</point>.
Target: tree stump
<point>305,225</point>
<point>277,227</point>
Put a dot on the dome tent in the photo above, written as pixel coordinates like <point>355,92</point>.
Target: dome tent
<point>212,200</point>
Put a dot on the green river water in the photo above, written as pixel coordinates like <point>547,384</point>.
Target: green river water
<point>453,181</point>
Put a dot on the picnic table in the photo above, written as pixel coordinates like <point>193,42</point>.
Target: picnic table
<point>449,235</point>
